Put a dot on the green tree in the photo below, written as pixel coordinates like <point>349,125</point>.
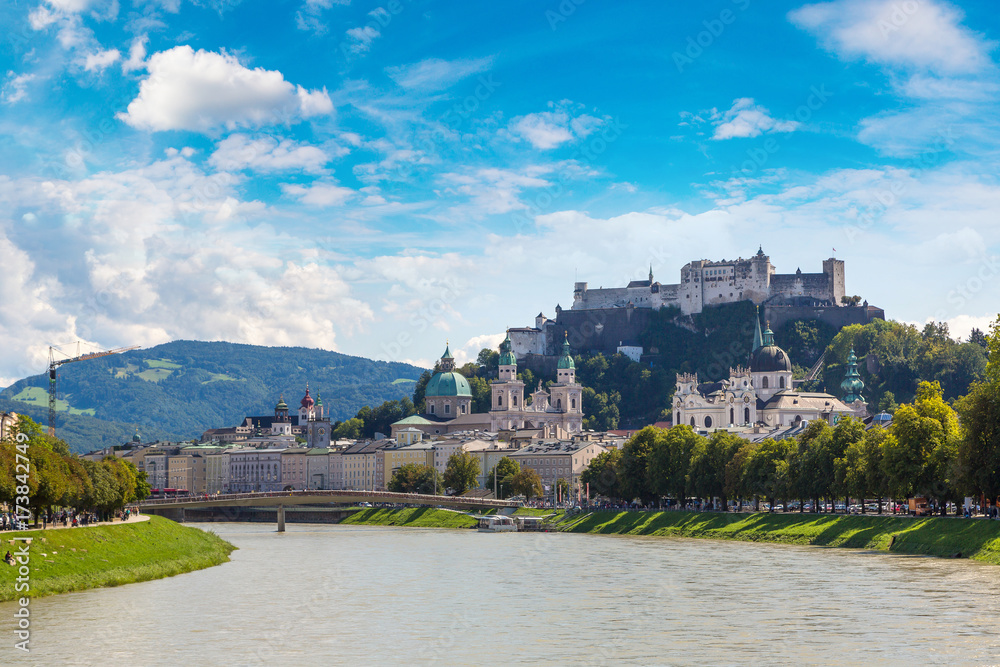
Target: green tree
<point>564,488</point>
<point>351,429</point>
<point>461,472</point>
<point>602,474</point>
<point>526,483</point>
<point>811,466</point>
<point>415,478</point>
<point>670,461</point>
<point>978,452</point>
<point>766,471</point>
<point>633,478</point>
<point>501,475</point>
<point>888,403</point>
<point>707,476</point>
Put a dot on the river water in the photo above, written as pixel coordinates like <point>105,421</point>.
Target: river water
<point>344,595</point>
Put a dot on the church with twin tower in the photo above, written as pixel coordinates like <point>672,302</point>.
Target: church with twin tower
<point>558,410</point>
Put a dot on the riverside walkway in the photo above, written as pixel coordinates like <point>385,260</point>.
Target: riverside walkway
<point>173,508</point>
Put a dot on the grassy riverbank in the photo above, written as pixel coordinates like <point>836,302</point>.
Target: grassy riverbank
<point>75,559</point>
<point>978,539</point>
<point>416,517</point>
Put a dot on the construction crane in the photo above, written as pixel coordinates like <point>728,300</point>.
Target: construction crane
<point>54,364</point>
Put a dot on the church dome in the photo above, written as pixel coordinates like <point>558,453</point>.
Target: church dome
<point>307,400</point>
<point>507,357</point>
<point>769,358</point>
<point>448,384</point>
<point>566,360</point>
<point>281,404</point>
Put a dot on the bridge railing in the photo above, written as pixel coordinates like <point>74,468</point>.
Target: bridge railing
<point>378,496</point>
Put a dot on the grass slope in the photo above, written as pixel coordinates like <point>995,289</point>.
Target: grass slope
<point>79,558</point>
<point>418,517</point>
<point>976,539</point>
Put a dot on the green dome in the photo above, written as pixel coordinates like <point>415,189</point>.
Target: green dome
<point>507,357</point>
<point>853,385</point>
<point>281,404</point>
<point>448,384</point>
<point>566,360</point>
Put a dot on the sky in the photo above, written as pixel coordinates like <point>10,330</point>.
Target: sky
<point>378,178</point>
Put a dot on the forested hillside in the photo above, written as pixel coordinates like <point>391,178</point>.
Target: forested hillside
<point>180,389</point>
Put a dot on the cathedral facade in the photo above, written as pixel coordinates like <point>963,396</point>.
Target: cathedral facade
<point>558,409</point>
<point>761,394</point>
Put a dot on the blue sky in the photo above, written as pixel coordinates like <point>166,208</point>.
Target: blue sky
<point>377,177</point>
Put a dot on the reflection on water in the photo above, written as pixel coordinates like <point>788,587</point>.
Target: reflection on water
<point>359,596</point>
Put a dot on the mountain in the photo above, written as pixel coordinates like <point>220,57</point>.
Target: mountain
<point>178,390</point>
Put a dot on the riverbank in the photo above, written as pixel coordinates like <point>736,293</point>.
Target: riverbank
<point>978,539</point>
<point>111,555</point>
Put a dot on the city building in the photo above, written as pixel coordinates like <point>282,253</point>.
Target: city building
<point>318,468</point>
<point>558,459</point>
<point>8,423</point>
<point>293,469</point>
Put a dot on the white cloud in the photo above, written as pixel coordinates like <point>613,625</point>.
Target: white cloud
<point>266,154</point>
<point>16,87</point>
<point>550,129</point>
<point>100,60</point>
<point>470,351</point>
<point>319,194</point>
<point>748,119</point>
<point>203,91</point>
<point>136,55</point>
<point>924,34</point>
<point>436,74</point>
<point>360,39</point>
<point>962,326</point>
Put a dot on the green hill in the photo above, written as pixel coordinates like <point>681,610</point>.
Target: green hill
<point>180,389</point>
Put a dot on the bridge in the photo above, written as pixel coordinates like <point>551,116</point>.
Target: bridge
<point>173,508</point>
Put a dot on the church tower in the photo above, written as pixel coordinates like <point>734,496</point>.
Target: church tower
<point>282,423</point>
<point>853,385</point>
<point>566,393</point>
<point>507,406</point>
<point>318,430</point>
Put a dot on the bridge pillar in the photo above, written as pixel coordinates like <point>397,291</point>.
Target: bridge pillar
<point>172,513</point>
<point>281,518</point>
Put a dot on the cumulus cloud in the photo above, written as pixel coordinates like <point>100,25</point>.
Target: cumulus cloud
<point>136,55</point>
<point>319,194</point>
<point>100,60</point>
<point>436,74</point>
<point>266,154</point>
<point>926,35</point>
<point>203,91</point>
<point>15,89</point>
<point>748,119</point>
<point>550,129</point>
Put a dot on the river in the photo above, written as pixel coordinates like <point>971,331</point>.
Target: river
<point>346,595</point>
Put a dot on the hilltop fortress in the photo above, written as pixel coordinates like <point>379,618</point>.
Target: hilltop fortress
<point>610,320</point>
<point>707,283</point>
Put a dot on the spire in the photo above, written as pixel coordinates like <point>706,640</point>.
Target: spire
<point>447,350</point>
<point>650,274</point>
<point>507,357</point>
<point>852,385</point>
<point>566,360</point>
<point>757,338</point>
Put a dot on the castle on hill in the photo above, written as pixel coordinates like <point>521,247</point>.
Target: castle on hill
<point>707,283</point>
<point>611,320</point>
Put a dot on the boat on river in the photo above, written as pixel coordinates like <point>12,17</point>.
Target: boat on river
<point>497,523</point>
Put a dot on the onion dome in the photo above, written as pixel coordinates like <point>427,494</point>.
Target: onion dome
<point>307,400</point>
<point>566,360</point>
<point>769,358</point>
<point>281,404</point>
<point>319,401</point>
<point>507,357</point>
<point>852,385</point>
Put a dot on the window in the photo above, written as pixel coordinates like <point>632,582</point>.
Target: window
<point>746,415</point>
<point>447,408</point>
<point>463,408</point>
<point>500,400</point>
<point>781,382</point>
<point>432,408</point>
<point>708,421</point>
<point>764,383</point>
<point>692,421</point>
<point>515,401</point>
<point>678,420</point>
<point>573,404</point>
<point>559,404</point>
<point>732,416</point>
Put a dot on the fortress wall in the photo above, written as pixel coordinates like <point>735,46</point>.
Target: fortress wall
<point>527,341</point>
<point>596,330</point>
<point>835,316</point>
<point>816,285</point>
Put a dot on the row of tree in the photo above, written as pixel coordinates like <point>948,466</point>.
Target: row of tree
<point>462,473</point>
<point>931,449</point>
<point>52,477</point>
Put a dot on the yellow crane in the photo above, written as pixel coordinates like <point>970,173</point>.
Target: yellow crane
<point>56,363</point>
